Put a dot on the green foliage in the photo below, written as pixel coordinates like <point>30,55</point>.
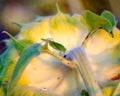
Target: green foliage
<point>8,60</point>
<point>94,22</point>
<point>11,68</point>
<point>26,56</point>
<point>57,46</point>
<point>18,45</point>
<point>109,16</point>
<point>1,65</point>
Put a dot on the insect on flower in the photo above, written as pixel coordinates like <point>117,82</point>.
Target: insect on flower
<point>88,56</point>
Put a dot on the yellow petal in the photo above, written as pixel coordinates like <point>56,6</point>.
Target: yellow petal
<point>101,41</point>
<point>107,91</point>
<point>67,31</point>
<point>34,31</point>
<point>45,72</point>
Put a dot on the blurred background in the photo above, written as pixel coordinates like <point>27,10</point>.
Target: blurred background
<point>25,10</point>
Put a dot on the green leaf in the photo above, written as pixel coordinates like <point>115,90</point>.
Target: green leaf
<point>18,45</point>
<point>93,22</point>
<point>109,16</point>
<point>1,65</point>
<point>26,43</point>
<point>26,56</point>
<point>57,46</point>
<point>8,60</point>
<point>20,25</point>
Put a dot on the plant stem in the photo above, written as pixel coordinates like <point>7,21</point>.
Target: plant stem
<point>86,72</point>
<point>82,65</point>
<point>66,62</point>
<point>44,48</point>
<point>84,43</point>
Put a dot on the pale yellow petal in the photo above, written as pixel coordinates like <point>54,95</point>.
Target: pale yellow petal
<point>101,40</point>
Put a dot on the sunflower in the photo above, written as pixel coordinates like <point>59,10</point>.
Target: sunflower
<point>63,55</point>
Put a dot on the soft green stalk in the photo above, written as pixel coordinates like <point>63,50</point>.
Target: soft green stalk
<point>44,48</point>
<point>20,25</point>
<point>61,59</point>
<point>58,10</point>
<point>82,65</point>
<point>84,43</point>
<point>86,72</point>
